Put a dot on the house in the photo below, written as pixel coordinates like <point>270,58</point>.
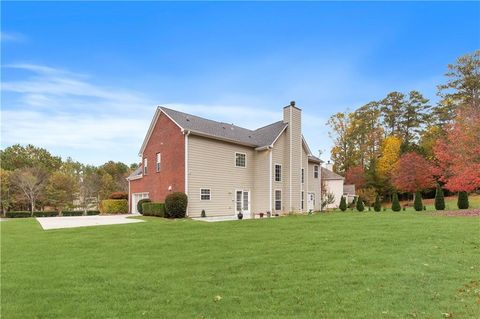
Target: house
<point>349,193</point>
<point>333,184</point>
<point>224,168</point>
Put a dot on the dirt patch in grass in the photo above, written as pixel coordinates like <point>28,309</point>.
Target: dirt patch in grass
<point>461,213</point>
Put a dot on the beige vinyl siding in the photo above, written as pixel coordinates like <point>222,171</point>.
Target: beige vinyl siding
<point>280,156</point>
<point>261,192</point>
<point>314,184</point>
<point>294,157</point>
<point>304,186</point>
<point>211,164</point>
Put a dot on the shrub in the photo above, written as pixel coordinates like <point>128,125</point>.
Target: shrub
<point>417,203</point>
<point>203,214</point>
<point>72,213</point>
<point>45,213</point>
<point>140,204</point>
<point>343,204</point>
<point>153,209</point>
<point>18,214</point>
<point>378,205</point>
<point>118,195</point>
<point>114,206</point>
<point>93,212</point>
<point>439,199</point>
<point>462,200</point>
<point>176,205</point>
<point>360,206</point>
<point>395,203</point>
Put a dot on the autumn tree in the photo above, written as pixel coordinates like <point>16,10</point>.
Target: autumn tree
<point>390,153</point>
<point>31,182</point>
<point>412,173</point>
<point>344,154</point>
<point>356,176</point>
<point>61,190</point>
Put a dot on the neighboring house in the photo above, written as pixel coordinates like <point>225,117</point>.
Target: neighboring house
<point>349,192</point>
<point>333,184</point>
<point>224,168</point>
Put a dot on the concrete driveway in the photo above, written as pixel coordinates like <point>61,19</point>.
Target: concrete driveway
<point>85,221</point>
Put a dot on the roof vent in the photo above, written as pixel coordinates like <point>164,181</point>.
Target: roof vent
<point>188,119</point>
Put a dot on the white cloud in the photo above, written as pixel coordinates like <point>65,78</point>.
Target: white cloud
<point>12,36</point>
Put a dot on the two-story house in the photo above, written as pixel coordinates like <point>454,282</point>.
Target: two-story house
<point>225,168</point>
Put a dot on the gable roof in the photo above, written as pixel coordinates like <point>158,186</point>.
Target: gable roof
<point>328,174</point>
<point>135,174</point>
<point>312,158</point>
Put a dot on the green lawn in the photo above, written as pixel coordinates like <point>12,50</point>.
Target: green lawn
<point>335,265</point>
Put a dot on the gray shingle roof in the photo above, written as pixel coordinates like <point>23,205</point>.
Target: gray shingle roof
<point>263,136</point>
<point>328,174</point>
<point>349,189</point>
<point>315,159</point>
<point>136,172</point>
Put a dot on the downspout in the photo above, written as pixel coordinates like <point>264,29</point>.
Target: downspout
<point>129,198</point>
<point>271,177</point>
<point>186,164</point>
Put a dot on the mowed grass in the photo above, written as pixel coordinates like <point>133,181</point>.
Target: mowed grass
<point>334,265</point>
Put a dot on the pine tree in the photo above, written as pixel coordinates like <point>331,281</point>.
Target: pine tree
<point>343,204</point>
<point>395,203</point>
<point>439,199</point>
<point>360,206</point>
<point>377,206</point>
<point>417,204</point>
<point>462,200</point>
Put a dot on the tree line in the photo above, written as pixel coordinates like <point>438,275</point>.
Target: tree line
<point>405,143</point>
<point>32,178</point>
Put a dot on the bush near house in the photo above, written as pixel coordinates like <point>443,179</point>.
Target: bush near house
<point>118,195</point>
<point>46,213</point>
<point>72,213</point>
<point>93,212</point>
<point>439,199</point>
<point>395,203</point>
<point>140,204</point>
<point>417,203</point>
<point>378,205</point>
<point>153,209</point>
<point>176,205</point>
<point>463,200</point>
<point>18,214</point>
<point>360,206</point>
<point>343,204</point>
<point>114,206</point>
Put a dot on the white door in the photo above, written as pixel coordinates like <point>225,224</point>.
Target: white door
<point>311,201</point>
<point>242,199</point>
<point>135,199</point>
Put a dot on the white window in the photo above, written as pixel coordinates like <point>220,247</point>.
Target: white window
<point>302,198</point>
<point>145,166</point>
<point>205,194</point>
<point>159,161</point>
<point>240,160</point>
<point>303,175</point>
<point>278,173</point>
<point>278,200</point>
<point>315,171</point>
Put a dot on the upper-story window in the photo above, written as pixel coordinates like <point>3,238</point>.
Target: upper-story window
<point>278,173</point>
<point>240,160</point>
<point>158,163</point>
<point>315,171</point>
<point>303,175</point>
<point>145,166</point>
<point>205,194</point>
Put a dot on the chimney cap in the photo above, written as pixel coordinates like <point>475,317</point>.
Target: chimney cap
<point>292,103</point>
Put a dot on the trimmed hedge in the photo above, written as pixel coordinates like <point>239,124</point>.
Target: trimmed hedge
<point>114,206</point>
<point>360,207</point>
<point>93,212</point>
<point>45,213</point>
<point>18,214</point>
<point>378,205</point>
<point>176,205</point>
<point>72,213</point>
<point>395,203</point>
<point>439,199</point>
<point>417,203</point>
<point>140,203</point>
<point>118,195</point>
<point>153,209</point>
<point>463,200</point>
<point>343,204</point>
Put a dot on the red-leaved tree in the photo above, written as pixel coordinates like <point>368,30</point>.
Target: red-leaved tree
<point>413,173</point>
<point>356,175</point>
<point>458,154</point>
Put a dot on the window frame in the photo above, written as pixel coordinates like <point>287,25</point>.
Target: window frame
<point>235,159</point>
<point>275,172</point>
<point>302,194</point>
<point>278,191</point>
<point>158,162</point>
<point>316,171</point>
<point>145,166</point>
<point>302,172</point>
<point>209,194</point>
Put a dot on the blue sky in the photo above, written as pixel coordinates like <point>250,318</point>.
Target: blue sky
<point>83,79</point>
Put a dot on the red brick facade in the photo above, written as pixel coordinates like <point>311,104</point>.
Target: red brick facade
<point>168,140</point>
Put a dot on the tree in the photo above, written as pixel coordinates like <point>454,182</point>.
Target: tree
<point>368,195</point>
<point>439,198</point>
<point>463,200</point>
<point>392,108</point>
<point>387,162</point>
<point>395,203</point>
<point>18,157</point>
<point>378,205</point>
<point>344,153</point>
<point>356,176</point>
<point>417,203</point>
<point>343,204</point>
<point>5,199</point>
<point>415,114</point>
<point>360,207</point>
<point>61,190</point>
<point>463,82</point>
<point>413,173</point>
<point>31,182</point>
<point>327,199</point>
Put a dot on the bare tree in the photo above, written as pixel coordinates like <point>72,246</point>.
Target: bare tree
<point>31,182</point>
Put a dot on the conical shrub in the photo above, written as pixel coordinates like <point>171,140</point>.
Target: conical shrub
<point>360,206</point>
<point>395,203</point>
<point>439,199</point>
<point>343,204</point>
<point>417,203</point>
<point>378,205</point>
<point>462,200</point>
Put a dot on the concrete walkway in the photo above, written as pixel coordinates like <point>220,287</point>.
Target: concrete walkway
<point>85,221</point>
